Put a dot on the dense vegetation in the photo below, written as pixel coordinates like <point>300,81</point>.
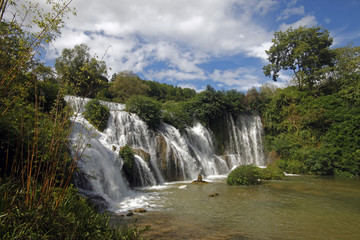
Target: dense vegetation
<point>314,126</point>
<point>37,200</point>
<point>97,114</point>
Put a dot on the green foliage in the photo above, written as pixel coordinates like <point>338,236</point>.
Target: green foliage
<point>272,172</point>
<point>125,85</point>
<point>36,201</point>
<point>146,108</point>
<point>316,131</point>
<point>127,155</point>
<point>251,175</point>
<point>97,114</point>
<point>244,175</point>
<point>174,113</point>
<point>305,51</point>
<point>73,219</point>
<point>83,74</point>
<point>165,92</point>
<point>206,106</point>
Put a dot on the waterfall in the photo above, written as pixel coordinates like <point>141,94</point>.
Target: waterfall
<point>246,141</point>
<point>164,155</point>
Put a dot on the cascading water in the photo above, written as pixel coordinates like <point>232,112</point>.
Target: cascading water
<point>245,146</point>
<point>165,155</point>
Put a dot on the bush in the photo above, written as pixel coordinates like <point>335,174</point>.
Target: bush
<point>146,108</point>
<point>174,114</point>
<point>127,155</point>
<point>73,218</point>
<point>272,172</point>
<point>97,114</point>
<point>250,175</point>
<point>244,175</point>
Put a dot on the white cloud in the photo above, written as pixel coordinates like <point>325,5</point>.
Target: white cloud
<point>291,12</point>
<point>259,51</point>
<point>177,36</point>
<point>308,21</point>
<point>241,78</point>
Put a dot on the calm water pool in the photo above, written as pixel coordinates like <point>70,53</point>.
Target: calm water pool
<point>299,207</point>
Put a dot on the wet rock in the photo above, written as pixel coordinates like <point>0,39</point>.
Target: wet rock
<point>167,160</point>
<point>81,180</point>
<point>129,213</point>
<point>199,180</point>
<point>141,153</point>
<point>139,210</point>
<point>213,195</point>
<point>200,183</point>
<point>97,201</point>
<point>113,148</point>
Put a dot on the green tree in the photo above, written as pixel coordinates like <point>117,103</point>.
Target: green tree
<point>146,108</point>
<point>97,114</point>
<point>83,74</point>
<point>207,106</point>
<point>126,84</point>
<point>303,50</point>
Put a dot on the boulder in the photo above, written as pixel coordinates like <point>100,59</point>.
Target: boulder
<point>139,210</point>
<point>129,213</point>
<point>199,180</point>
<point>213,195</point>
<point>141,153</point>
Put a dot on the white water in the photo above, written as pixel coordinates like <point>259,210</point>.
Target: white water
<point>173,156</point>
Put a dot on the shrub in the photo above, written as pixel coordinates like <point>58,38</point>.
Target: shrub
<point>146,108</point>
<point>97,114</point>
<point>174,113</point>
<point>272,172</point>
<point>127,154</point>
<point>244,175</point>
<point>73,218</point>
<point>250,175</point>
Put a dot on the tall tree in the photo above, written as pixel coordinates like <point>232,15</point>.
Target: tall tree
<point>303,50</point>
<point>125,85</point>
<point>85,75</point>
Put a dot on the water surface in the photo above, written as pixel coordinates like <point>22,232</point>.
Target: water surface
<point>300,207</point>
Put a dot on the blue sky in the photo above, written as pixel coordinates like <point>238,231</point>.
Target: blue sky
<point>192,43</point>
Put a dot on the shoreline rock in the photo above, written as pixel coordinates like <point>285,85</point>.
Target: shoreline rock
<point>213,195</point>
<point>139,210</point>
<point>199,180</point>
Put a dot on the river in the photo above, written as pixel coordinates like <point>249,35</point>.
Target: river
<point>297,207</point>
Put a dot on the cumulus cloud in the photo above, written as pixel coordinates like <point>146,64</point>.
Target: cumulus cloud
<point>172,40</point>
